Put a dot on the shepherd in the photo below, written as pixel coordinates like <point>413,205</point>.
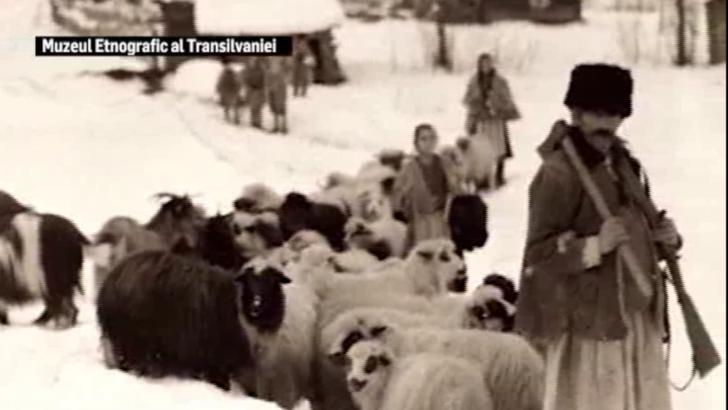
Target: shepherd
<point>600,322</point>
<point>490,105</point>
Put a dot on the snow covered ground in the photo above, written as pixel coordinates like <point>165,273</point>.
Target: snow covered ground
<point>88,148</point>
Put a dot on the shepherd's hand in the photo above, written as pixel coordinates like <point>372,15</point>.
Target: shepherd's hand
<point>666,233</point>
<point>612,234</point>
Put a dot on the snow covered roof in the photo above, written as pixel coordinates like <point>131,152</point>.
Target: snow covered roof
<point>266,17</point>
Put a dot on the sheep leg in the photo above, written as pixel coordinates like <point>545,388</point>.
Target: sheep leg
<point>69,312</point>
<point>4,317</point>
<point>246,379</point>
<point>48,313</point>
<point>108,351</point>
<point>218,378</point>
<point>284,392</point>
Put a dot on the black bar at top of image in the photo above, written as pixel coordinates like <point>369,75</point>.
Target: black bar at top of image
<point>86,45</point>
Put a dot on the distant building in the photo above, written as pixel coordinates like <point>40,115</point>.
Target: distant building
<point>716,30</point>
<point>313,19</point>
<point>486,11</point>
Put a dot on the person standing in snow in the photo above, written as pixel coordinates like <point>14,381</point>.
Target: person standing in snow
<point>423,189</point>
<point>255,77</point>
<point>600,335</point>
<point>228,90</point>
<point>302,66</point>
<point>489,105</point>
<point>277,92</point>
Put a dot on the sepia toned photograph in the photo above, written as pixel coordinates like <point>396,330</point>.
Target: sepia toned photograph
<point>363,204</point>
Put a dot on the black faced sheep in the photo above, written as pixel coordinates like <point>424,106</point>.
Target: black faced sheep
<point>468,221</point>
<point>217,243</point>
<point>380,380</point>
<point>164,314</point>
<point>280,322</point>
<point>41,256</point>
<point>298,213</point>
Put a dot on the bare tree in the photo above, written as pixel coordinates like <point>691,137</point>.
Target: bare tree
<point>442,56</point>
<point>682,57</point>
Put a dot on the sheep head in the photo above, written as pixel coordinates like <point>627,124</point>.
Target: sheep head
<point>436,268</point>
<point>369,365</point>
<point>492,306</point>
<point>262,298</point>
<point>255,235</point>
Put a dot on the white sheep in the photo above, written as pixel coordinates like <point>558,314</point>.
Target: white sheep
<point>322,255</point>
<point>385,237</point>
<point>400,309</point>
<point>380,380</point>
<point>481,160</point>
<point>511,369</point>
<point>432,268</point>
<point>256,234</point>
<point>283,343</point>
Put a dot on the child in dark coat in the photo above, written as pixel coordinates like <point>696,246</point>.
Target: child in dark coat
<point>228,90</point>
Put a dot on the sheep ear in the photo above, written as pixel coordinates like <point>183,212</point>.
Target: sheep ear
<point>338,358</point>
<point>384,360</point>
<point>426,255</point>
<point>387,185</point>
<point>282,278</point>
<point>376,331</point>
<point>463,144</point>
<point>241,276</point>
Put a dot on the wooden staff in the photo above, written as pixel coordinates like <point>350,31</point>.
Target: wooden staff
<point>625,251</point>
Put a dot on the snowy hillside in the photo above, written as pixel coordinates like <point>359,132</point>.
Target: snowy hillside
<point>88,148</point>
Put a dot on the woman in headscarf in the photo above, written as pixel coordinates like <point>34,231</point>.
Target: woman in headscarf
<point>423,189</point>
<point>490,106</point>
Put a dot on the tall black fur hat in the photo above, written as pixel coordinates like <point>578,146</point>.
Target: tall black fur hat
<point>600,87</point>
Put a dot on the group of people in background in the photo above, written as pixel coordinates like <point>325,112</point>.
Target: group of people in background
<point>264,80</point>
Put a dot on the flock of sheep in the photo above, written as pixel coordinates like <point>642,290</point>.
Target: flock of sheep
<point>298,297</point>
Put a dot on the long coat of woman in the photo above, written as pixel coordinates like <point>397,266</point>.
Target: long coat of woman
<point>489,104</point>
<point>422,193</point>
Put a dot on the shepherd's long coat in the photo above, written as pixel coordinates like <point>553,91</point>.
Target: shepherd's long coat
<point>601,338</point>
